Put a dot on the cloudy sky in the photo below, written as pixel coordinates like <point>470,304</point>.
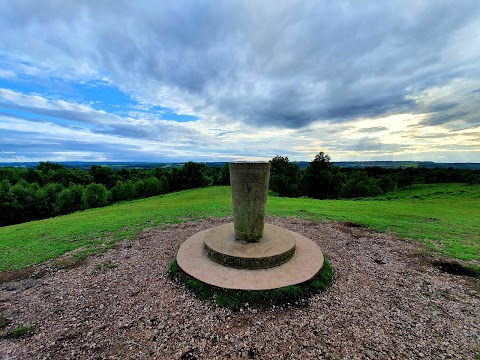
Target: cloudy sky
<point>239,80</point>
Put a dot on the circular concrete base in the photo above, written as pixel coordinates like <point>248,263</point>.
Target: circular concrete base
<point>277,246</point>
<point>305,264</point>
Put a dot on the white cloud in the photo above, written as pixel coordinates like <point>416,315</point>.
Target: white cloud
<point>5,73</point>
<point>40,102</point>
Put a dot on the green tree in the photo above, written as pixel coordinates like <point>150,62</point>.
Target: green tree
<point>118,192</point>
<point>5,203</point>
<point>13,175</point>
<point>45,167</point>
<point>386,183</point>
<point>322,161</point>
<point>405,179</point>
<point>139,188</point>
<point>159,172</point>
<point>164,186</point>
<point>194,174</point>
<point>320,180</point>
<point>473,178</point>
<point>95,195</point>
<point>126,190</point>
<point>57,176</point>
<point>23,205</point>
<point>69,200</point>
<point>151,186</point>
<point>360,185</point>
<point>79,176</point>
<point>47,199</point>
<point>284,177</point>
<point>34,176</point>
<point>103,175</point>
<point>215,175</point>
<point>224,178</point>
<point>189,176</point>
<point>129,190</point>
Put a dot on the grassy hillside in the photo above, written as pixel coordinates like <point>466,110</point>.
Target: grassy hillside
<point>444,216</point>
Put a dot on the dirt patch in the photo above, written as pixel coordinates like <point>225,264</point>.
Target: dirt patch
<point>3,322</point>
<point>386,302</point>
<point>8,276</point>
<point>455,268</point>
<point>67,262</point>
<point>355,229</point>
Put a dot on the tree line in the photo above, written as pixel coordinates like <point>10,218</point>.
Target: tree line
<point>321,179</point>
<point>52,189</point>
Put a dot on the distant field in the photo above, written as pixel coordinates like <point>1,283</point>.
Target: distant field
<point>444,216</point>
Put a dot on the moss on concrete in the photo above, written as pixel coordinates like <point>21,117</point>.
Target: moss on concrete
<point>294,295</point>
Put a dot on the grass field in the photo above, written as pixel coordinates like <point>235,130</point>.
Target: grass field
<point>444,216</point>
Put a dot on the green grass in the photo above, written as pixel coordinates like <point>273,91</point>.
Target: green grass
<point>18,332</point>
<point>26,244</point>
<point>444,216</point>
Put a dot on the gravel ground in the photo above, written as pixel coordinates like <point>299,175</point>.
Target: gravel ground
<point>387,302</point>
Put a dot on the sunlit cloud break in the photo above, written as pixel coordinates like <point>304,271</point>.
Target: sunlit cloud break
<point>221,81</point>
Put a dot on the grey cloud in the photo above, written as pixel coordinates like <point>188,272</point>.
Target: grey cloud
<point>444,118</point>
<point>459,119</point>
<point>443,107</point>
<point>327,130</point>
<point>281,63</point>
<point>369,145</point>
<point>222,134</point>
<point>370,107</point>
<point>33,142</point>
<point>63,145</point>
<point>153,131</point>
<point>86,117</point>
<point>477,126</point>
<point>35,146</point>
<point>430,136</point>
<point>149,130</point>
<point>373,129</point>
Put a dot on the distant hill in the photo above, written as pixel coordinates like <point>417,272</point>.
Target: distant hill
<point>86,164</point>
<point>302,164</point>
<point>404,164</point>
<point>398,164</point>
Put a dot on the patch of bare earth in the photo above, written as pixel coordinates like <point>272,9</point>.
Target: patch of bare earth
<point>387,302</point>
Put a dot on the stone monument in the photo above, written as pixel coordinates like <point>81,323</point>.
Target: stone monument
<point>249,197</point>
<point>249,254</point>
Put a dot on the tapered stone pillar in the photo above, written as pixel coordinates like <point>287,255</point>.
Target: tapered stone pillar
<point>249,182</point>
<point>231,255</point>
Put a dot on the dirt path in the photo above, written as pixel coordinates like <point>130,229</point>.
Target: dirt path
<point>387,302</point>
